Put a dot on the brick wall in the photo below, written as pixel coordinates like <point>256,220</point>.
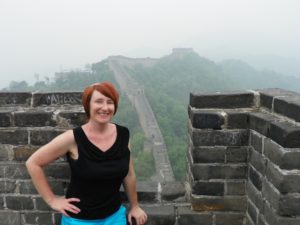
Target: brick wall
<point>244,156</point>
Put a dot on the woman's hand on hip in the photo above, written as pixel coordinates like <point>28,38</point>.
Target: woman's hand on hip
<point>62,204</point>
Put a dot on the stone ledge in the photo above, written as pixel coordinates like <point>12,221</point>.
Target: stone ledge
<point>57,98</point>
<point>16,98</point>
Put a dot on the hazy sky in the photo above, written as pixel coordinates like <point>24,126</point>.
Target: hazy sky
<point>44,37</point>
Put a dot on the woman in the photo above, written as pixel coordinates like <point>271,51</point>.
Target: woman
<point>99,158</point>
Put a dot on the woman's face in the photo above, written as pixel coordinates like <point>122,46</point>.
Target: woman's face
<point>102,108</point>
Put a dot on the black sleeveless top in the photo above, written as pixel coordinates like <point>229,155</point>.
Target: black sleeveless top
<point>96,176</point>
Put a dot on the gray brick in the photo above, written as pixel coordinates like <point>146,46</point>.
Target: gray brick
<point>236,154</point>
<point>23,152</point>
<point>41,205</point>
<point>187,216</point>
<point>248,220</point>
<point>19,202</point>
<point>34,119</point>
<point>252,211</point>
<point>262,220</point>
<point>288,106</point>
<point>206,119</point>
<point>43,136</point>
<point>237,120</point>
<point>57,98</point>
<point>5,152</point>
<point>226,100</point>
<point>15,170</point>
<point>38,218</point>
<point>258,161</point>
<point>255,178</point>
<point>213,188</point>
<point>5,119</point>
<point>13,136</point>
<point>7,186</point>
<point>229,218</point>
<point>73,118</point>
<point>10,217</point>
<point>220,138</point>
<point>235,187</point>
<point>221,171</point>
<point>214,203</point>
<point>260,122</point>
<point>17,98</point>
<point>287,182</point>
<point>58,170</point>
<point>209,154</point>
<point>172,191</point>
<point>160,215</point>
<point>285,134</point>
<point>254,195</point>
<point>256,141</point>
<point>1,202</point>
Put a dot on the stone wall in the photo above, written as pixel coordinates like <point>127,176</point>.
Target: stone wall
<point>244,156</point>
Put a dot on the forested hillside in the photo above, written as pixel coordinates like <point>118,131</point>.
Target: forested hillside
<point>167,85</point>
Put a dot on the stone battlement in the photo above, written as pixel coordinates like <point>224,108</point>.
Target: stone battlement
<point>242,161</point>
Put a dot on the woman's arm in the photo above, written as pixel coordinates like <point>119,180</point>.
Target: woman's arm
<point>130,188</point>
<point>56,148</point>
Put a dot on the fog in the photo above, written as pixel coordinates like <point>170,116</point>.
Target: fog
<point>44,37</point>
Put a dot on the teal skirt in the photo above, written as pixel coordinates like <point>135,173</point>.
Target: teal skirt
<point>118,218</point>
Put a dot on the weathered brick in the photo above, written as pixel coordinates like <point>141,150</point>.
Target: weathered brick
<point>19,202</point>
<point>220,138</point>
<point>57,98</point>
<point>43,136</point>
<point>38,218</point>
<point>7,186</point>
<point>14,170</point>
<point>255,178</point>
<point>10,217</point>
<point>160,215</point>
<point>256,141</point>
<point>206,119</point>
<point>226,100</point>
<point>219,171</point>
<point>217,203</point>
<point>228,218</point>
<point>285,182</point>
<point>262,220</point>
<point>27,187</point>
<point>237,120</point>
<point>260,122</point>
<point>58,170</point>
<point>41,205</point>
<point>15,98</point>
<point>236,154</point>
<point>248,220</point>
<point>288,106</point>
<point>23,152</point>
<point>209,154</point>
<point>285,158</point>
<point>252,211</point>
<point>172,191</point>
<point>285,134</point>
<point>14,136</point>
<point>34,119</point>
<point>5,119</point>
<point>5,152</point>
<point>214,188</point>
<point>235,187</point>
<point>258,161</point>
<point>187,216</point>
<point>254,195</point>
<point>73,118</point>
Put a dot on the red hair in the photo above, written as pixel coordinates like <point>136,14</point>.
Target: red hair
<point>105,88</point>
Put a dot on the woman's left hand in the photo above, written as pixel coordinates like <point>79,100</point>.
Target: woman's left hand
<point>138,214</point>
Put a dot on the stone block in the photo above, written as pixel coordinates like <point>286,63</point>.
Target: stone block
<point>206,119</point>
<point>147,192</point>
<point>72,118</point>
<point>224,100</point>
<point>256,141</point>
<point>209,154</point>
<point>57,98</point>
<point>217,203</point>
<point>8,217</point>
<point>7,186</point>
<point>237,120</point>
<point>248,220</point>
<point>38,218</point>
<point>172,191</point>
<point>5,152</point>
<point>23,152</point>
<point>285,134</point>
<point>59,170</point>
<point>260,122</point>
<point>27,187</point>
<point>219,171</point>
<point>258,161</point>
<point>6,119</point>
<point>187,216</point>
<point>18,202</point>
<point>213,188</point>
<point>160,215</point>
<point>43,136</point>
<point>1,202</point>
<point>41,205</point>
<point>262,220</point>
<point>252,211</point>
<point>220,137</point>
<point>237,154</point>
<point>255,178</point>
<point>34,119</point>
<point>288,106</point>
<point>228,218</point>
<point>285,181</point>
<point>285,158</point>
<point>16,98</point>
<point>13,170</point>
<point>254,195</point>
<point>13,136</point>
<point>235,187</point>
